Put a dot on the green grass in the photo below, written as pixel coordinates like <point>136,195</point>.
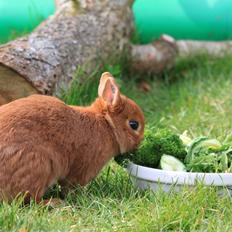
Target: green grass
<point>195,95</point>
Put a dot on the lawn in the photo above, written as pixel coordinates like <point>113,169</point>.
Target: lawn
<point>195,95</point>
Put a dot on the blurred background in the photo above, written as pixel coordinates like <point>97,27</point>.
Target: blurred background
<point>182,19</point>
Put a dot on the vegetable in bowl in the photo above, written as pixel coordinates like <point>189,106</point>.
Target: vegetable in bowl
<point>155,144</point>
<point>166,150</point>
<point>208,155</point>
<point>171,163</point>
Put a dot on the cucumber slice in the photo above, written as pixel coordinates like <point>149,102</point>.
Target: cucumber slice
<point>171,163</point>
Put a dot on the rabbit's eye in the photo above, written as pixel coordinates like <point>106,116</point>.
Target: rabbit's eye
<point>134,124</point>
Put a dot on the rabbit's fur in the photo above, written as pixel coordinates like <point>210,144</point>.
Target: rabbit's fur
<point>43,140</point>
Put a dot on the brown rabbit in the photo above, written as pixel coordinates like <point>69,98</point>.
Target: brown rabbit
<point>43,140</point>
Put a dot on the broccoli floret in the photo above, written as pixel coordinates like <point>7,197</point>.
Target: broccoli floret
<point>154,145</point>
<point>170,144</point>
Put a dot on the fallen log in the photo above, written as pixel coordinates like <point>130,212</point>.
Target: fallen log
<point>154,57</point>
<point>161,54</point>
<point>80,32</point>
<point>213,48</point>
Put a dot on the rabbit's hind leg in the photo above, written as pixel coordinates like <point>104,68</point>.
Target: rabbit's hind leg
<point>32,176</point>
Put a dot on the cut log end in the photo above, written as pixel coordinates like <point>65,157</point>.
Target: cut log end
<point>13,86</point>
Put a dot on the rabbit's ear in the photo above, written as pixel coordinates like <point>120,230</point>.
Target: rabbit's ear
<point>108,89</point>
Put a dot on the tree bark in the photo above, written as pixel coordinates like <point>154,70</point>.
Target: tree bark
<point>81,32</point>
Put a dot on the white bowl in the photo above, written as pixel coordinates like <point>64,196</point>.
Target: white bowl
<point>152,178</point>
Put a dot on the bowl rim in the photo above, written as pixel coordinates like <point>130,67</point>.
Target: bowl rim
<point>178,177</point>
